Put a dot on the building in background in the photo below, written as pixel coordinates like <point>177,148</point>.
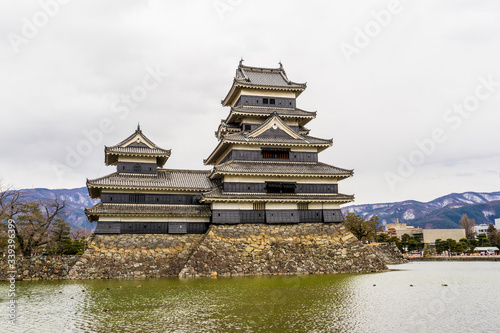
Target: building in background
<point>427,236</point>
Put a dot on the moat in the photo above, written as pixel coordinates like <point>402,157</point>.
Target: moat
<point>413,297</point>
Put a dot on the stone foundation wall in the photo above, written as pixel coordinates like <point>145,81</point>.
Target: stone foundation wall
<point>38,268</point>
<point>134,256</point>
<point>306,248</point>
<point>388,253</point>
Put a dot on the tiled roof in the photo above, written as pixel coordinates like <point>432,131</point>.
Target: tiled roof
<point>286,138</point>
<point>219,194</point>
<point>261,78</point>
<point>138,150</point>
<point>144,147</point>
<point>137,131</point>
<point>271,77</point>
<point>147,209</point>
<point>266,111</point>
<point>164,179</point>
<point>280,168</point>
<point>241,137</point>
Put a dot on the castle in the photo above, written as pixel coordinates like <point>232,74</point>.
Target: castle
<point>265,169</point>
<point>267,206</point>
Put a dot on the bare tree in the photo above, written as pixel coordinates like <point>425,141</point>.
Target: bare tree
<point>10,200</point>
<point>78,233</point>
<point>468,225</point>
<point>33,222</point>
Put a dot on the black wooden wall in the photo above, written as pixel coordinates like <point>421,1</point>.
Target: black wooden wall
<point>259,101</point>
<point>132,167</point>
<point>256,155</point>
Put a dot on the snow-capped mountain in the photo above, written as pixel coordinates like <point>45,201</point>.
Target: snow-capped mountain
<point>443,212</point>
<point>77,199</point>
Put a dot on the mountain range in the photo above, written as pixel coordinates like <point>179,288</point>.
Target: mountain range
<point>443,212</point>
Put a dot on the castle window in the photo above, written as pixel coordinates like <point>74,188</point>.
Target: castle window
<point>280,187</point>
<point>137,168</point>
<point>272,101</point>
<point>259,206</point>
<point>136,198</point>
<point>278,153</point>
<point>303,206</point>
<point>265,101</point>
<point>248,127</point>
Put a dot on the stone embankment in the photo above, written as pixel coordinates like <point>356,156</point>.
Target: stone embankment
<point>135,256</point>
<point>256,249</point>
<point>38,268</point>
<point>388,253</point>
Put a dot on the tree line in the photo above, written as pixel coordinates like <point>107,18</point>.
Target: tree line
<point>370,230</point>
<point>37,226</point>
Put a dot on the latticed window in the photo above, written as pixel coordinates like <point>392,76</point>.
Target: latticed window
<point>276,153</point>
<point>136,198</point>
<point>259,206</point>
<point>303,206</point>
<point>277,187</point>
<point>284,155</point>
<point>137,168</point>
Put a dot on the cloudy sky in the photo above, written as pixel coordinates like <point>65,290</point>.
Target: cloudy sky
<point>408,90</point>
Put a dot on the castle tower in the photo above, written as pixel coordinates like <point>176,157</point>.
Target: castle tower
<point>268,206</point>
<point>142,198</point>
<point>266,163</point>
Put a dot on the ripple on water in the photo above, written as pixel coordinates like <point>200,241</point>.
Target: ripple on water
<point>335,303</point>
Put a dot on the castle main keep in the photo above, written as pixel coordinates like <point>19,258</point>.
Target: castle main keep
<point>267,206</point>
<point>265,169</point>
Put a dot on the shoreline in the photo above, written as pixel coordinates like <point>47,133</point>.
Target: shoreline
<point>455,258</point>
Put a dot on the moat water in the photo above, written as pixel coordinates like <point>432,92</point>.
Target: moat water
<point>382,302</point>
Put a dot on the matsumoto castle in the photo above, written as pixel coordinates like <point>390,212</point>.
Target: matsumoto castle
<point>265,170</point>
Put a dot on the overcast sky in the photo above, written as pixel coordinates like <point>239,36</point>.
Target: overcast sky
<point>408,90</point>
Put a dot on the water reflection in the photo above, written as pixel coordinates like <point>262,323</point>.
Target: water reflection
<point>382,302</point>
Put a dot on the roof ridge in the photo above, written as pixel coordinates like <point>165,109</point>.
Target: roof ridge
<point>137,131</point>
<point>275,115</point>
<point>103,177</point>
<point>186,170</point>
<point>351,170</point>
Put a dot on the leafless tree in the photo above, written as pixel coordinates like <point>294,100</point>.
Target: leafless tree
<point>33,222</point>
<point>10,200</point>
<point>468,225</point>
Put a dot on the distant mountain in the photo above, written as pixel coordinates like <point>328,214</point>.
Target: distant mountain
<point>77,199</point>
<point>443,212</point>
